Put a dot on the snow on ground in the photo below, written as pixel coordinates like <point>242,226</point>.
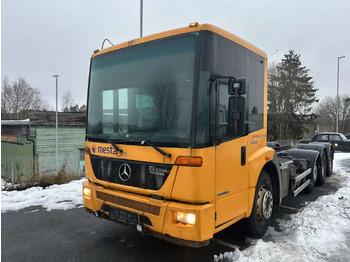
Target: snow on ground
<point>64,197</point>
<point>319,232</point>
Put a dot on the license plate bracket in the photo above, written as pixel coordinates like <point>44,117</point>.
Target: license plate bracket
<point>123,216</point>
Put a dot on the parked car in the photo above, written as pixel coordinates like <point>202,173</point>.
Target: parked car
<point>347,136</point>
<point>339,141</point>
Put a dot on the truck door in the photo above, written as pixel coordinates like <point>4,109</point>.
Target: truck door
<point>231,172</point>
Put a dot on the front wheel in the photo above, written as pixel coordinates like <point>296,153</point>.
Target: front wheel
<point>259,220</point>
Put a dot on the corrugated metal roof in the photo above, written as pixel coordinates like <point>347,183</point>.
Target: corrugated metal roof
<point>24,122</point>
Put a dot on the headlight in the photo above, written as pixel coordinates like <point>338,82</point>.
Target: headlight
<point>336,144</point>
<point>186,218</point>
<point>86,192</point>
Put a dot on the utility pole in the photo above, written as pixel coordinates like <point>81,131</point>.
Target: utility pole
<point>141,16</point>
<point>56,76</point>
<point>337,117</point>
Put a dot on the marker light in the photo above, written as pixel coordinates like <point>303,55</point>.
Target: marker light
<point>189,161</point>
<point>194,24</point>
<point>86,192</point>
<point>186,218</point>
<point>87,150</point>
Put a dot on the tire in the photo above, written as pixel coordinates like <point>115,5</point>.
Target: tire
<point>330,163</point>
<point>313,179</point>
<point>260,218</point>
<point>321,169</point>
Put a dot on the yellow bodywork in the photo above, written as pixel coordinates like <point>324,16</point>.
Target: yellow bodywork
<point>219,193</point>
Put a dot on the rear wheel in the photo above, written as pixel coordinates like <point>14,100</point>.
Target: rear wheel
<point>259,220</point>
<point>330,163</point>
<point>321,169</point>
<point>313,179</point>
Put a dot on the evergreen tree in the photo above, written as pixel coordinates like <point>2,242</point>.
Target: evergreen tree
<point>291,96</point>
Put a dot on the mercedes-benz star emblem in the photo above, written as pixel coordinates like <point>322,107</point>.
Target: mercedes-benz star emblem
<point>124,172</point>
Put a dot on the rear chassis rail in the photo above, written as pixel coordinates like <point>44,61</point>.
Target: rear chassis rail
<point>296,165</point>
<point>295,172</point>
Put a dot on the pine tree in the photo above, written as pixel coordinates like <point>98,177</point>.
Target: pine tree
<point>291,96</point>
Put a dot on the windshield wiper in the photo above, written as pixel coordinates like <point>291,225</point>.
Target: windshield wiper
<point>156,148</point>
<point>107,140</point>
<point>114,145</point>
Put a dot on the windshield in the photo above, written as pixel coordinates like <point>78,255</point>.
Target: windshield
<point>343,137</point>
<point>144,92</point>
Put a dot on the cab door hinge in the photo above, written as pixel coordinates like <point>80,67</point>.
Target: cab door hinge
<point>215,216</point>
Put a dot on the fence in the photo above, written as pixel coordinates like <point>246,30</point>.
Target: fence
<point>20,169</point>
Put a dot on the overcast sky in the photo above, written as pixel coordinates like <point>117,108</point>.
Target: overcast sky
<point>41,38</point>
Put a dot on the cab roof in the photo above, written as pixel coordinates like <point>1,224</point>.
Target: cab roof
<point>194,27</point>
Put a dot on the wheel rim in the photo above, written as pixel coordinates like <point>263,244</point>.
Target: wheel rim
<point>264,204</point>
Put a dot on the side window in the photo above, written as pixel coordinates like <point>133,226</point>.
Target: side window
<point>334,138</point>
<point>322,138</point>
<point>235,60</point>
<point>223,110</point>
<point>255,93</point>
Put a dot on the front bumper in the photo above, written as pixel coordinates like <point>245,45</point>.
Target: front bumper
<point>155,217</point>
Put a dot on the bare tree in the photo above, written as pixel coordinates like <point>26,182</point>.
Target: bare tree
<point>68,104</point>
<point>67,101</point>
<point>327,111</point>
<point>19,97</point>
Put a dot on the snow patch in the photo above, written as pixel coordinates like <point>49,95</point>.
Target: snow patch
<point>64,197</point>
<point>319,232</point>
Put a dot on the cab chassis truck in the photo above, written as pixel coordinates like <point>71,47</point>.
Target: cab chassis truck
<point>176,138</point>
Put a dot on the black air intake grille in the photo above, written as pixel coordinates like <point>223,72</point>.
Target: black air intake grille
<point>130,173</point>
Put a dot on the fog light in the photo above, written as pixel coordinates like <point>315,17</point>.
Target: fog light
<point>186,218</point>
<point>86,192</point>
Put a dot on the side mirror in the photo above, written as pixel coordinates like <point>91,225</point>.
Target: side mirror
<point>240,84</point>
<point>236,116</point>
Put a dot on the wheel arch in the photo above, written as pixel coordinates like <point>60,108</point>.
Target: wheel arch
<point>321,147</point>
<point>274,174</point>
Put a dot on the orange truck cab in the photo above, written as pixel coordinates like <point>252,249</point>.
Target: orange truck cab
<point>176,136</point>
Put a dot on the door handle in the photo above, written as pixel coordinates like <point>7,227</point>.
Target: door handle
<point>243,155</point>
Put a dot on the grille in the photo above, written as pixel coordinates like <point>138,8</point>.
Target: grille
<point>129,203</point>
<point>142,175</point>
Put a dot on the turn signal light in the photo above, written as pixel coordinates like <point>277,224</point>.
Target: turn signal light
<point>186,218</point>
<point>189,161</point>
